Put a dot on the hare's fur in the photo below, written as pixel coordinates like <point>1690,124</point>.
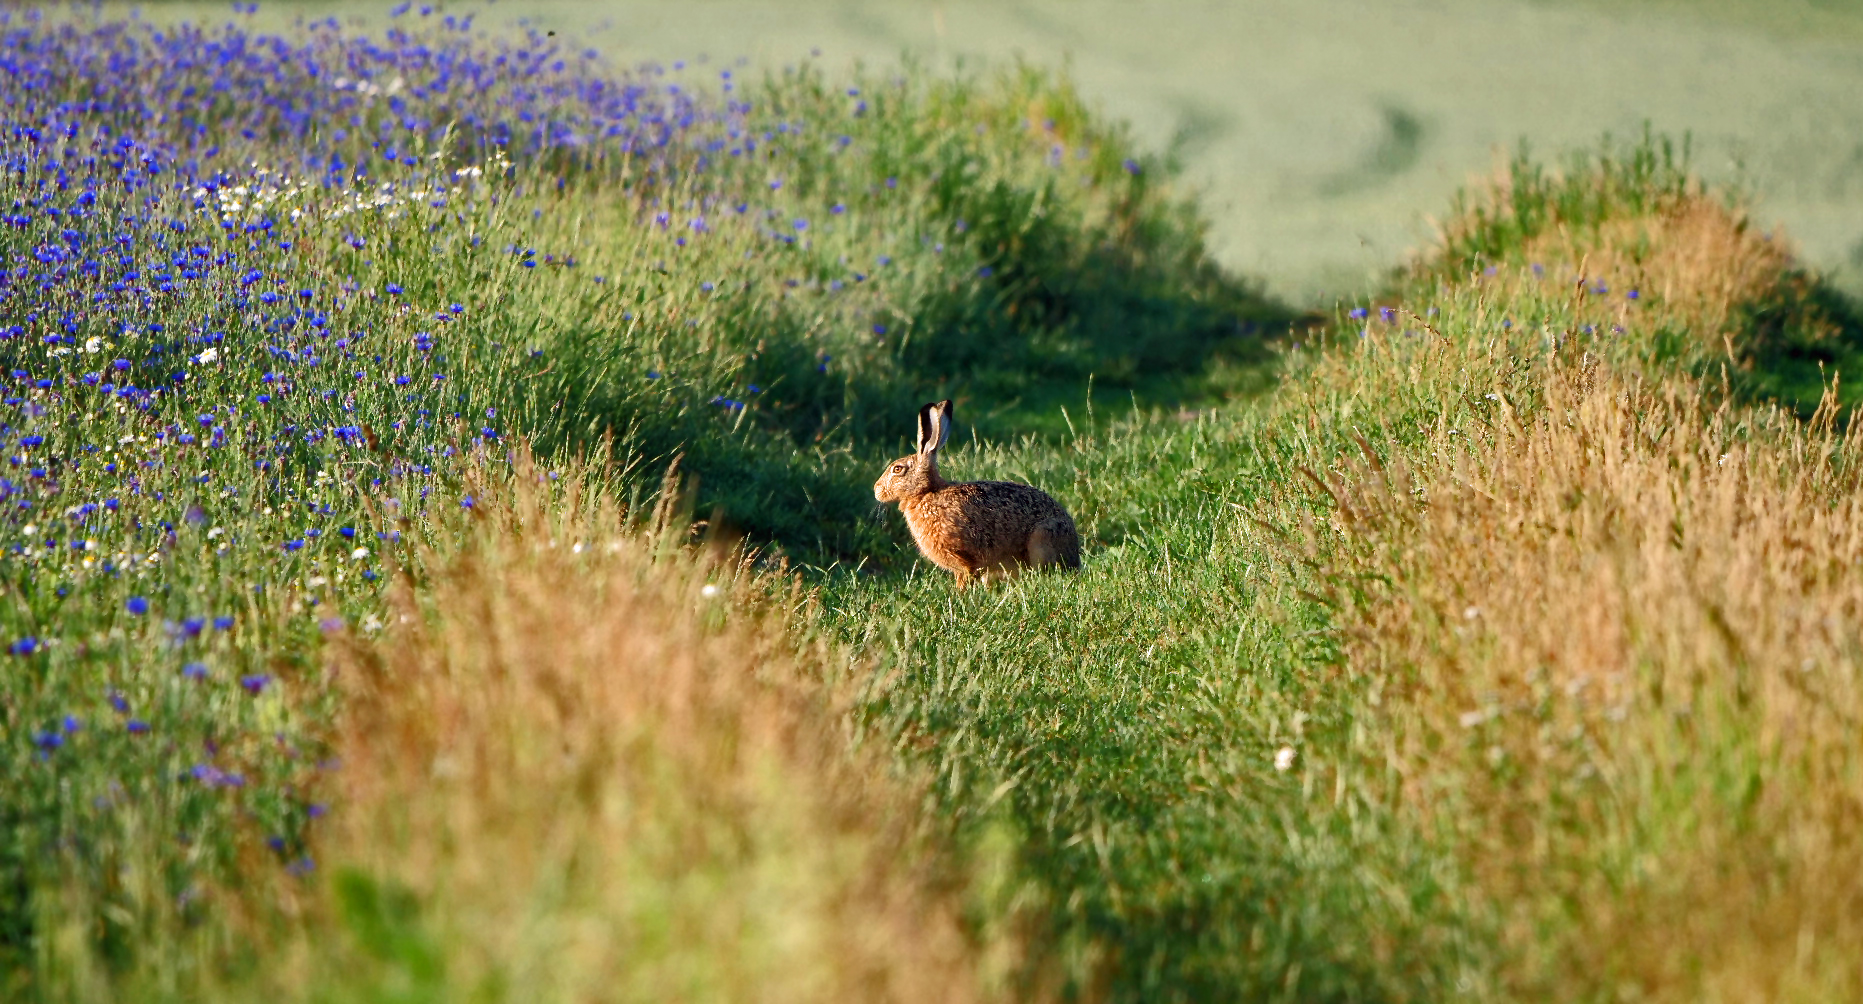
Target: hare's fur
<point>974,528</point>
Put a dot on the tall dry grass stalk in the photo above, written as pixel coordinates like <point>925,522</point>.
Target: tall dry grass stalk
<point>587,764</point>
<point>1616,652</point>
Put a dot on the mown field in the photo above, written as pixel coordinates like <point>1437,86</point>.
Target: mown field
<point>440,562</point>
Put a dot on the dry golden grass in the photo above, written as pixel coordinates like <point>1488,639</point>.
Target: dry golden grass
<point>1697,262</point>
<point>1614,640</point>
<point>596,763</point>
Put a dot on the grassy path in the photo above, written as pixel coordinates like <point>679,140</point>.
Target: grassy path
<point>383,409</point>
<point>1405,683</point>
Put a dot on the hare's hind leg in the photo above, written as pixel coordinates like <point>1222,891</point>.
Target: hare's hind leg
<point>1054,543</point>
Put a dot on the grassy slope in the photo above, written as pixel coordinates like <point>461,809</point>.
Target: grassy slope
<point>264,333</point>
<point>1462,816</point>
<point>1258,747</point>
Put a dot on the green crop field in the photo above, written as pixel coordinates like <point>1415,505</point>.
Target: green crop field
<point>1324,136</point>
<point>440,563</point>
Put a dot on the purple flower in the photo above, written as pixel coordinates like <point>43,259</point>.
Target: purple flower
<point>136,605</point>
<point>136,726</point>
<point>195,671</point>
<point>255,683</point>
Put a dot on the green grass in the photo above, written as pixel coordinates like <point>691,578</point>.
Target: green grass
<point>894,238</point>
<point>1124,723</point>
<point>1217,763</point>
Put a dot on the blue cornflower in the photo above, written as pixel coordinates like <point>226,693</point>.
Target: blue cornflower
<point>136,726</point>
<point>1358,313</point>
<point>24,646</point>
<point>255,683</point>
<point>223,623</point>
<point>466,502</point>
<point>136,605</point>
<point>195,671</point>
<point>394,288</point>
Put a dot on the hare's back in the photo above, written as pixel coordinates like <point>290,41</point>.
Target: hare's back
<point>990,522</point>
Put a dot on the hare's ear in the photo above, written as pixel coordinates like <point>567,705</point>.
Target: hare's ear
<point>928,429</point>
<point>944,422</point>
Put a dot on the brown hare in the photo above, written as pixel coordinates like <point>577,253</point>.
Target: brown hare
<point>973,528</point>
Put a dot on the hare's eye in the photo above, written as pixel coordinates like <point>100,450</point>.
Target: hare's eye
<point>899,468</point>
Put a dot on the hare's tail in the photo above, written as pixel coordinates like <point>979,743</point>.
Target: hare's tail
<point>1055,542</point>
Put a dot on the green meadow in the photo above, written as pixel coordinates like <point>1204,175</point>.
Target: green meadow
<point>440,560</point>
